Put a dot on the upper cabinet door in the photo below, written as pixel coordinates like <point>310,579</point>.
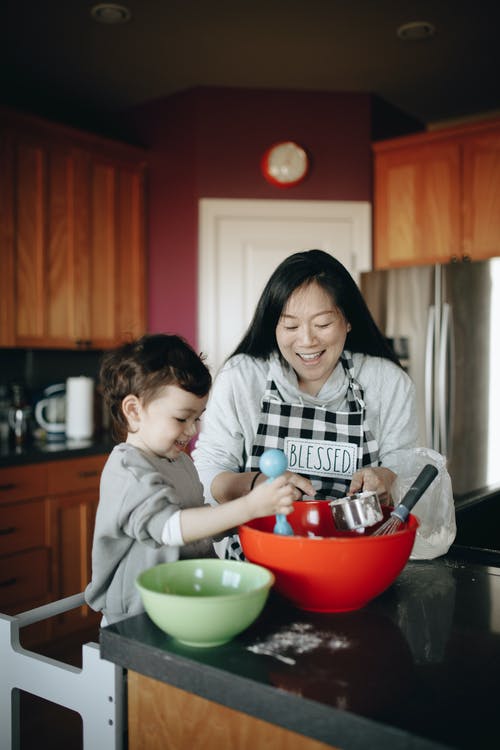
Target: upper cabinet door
<point>417,205</point>
<point>109,267</point>
<point>481,186</point>
<point>44,245</point>
<point>130,276</point>
<point>437,196</point>
<point>73,238</point>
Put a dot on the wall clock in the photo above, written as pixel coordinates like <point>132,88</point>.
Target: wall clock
<point>285,164</point>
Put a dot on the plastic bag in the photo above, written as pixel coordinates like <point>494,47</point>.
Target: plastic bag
<point>435,509</point>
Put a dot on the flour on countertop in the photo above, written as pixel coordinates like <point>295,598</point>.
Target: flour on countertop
<point>298,638</point>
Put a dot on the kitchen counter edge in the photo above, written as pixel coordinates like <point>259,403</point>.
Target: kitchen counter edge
<point>312,719</point>
<point>42,453</point>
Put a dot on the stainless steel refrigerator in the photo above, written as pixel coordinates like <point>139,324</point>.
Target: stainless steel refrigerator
<point>444,323</point>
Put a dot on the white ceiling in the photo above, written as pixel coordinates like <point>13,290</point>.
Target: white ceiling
<point>53,56</point>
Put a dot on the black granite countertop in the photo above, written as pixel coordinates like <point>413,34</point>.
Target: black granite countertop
<point>37,452</point>
<point>417,668</point>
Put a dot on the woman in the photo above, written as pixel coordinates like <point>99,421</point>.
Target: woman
<point>313,376</point>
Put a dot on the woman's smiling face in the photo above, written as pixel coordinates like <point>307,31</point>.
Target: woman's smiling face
<point>311,334</point>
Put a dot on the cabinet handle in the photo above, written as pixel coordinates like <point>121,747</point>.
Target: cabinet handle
<point>466,258</point>
<point>5,487</point>
<point>86,474</point>
<point>7,530</point>
<point>8,582</point>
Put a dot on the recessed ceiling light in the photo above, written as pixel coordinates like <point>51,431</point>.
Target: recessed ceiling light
<point>416,30</point>
<point>110,13</point>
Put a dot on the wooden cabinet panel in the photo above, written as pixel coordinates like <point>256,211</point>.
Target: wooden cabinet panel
<point>75,475</point>
<point>161,716</point>
<point>60,283</point>
<point>437,196</point>
<point>22,482</point>
<point>24,552</point>
<point>131,269</point>
<point>73,236</point>
<point>24,578</point>
<point>44,285</point>
<point>417,206</point>
<point>103,251</point>
<point>30,240</point>
<point>22,526</point>
<point>482,195</point>
<point>7,298</point>
<point>73,487</point>
<point>47,516</point>
<point>71,530</point>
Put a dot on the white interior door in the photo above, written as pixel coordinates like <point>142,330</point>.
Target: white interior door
<point>242,241</point>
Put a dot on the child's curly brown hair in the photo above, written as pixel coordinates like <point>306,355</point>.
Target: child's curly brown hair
<point>142,367</point>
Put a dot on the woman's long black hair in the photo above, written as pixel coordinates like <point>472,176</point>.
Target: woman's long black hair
<point>301,269</point>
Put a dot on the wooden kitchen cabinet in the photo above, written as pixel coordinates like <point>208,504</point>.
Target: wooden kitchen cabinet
<point>160,715</point>
<point>481,194</point>
<point>73,237</point>
<point>73,491</point>
<point>24,550</point>
<point>71,527</point>
<point>437,196</point>
<point>47,513</point>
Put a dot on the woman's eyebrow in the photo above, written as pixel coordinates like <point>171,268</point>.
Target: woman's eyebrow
<point>321,312</point>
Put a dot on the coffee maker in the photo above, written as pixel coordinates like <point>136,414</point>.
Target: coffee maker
<point>50,412</point>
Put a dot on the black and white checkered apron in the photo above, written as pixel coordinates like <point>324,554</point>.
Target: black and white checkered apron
<point>326,447</point>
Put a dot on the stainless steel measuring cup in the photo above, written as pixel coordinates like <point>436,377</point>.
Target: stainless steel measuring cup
<point>356,512</point>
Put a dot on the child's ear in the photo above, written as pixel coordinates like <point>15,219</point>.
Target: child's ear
<point>131,408</point>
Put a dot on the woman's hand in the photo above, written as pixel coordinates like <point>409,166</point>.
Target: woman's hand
<point>300,484</point>
<point>229,485</point>
<point>374,479</point>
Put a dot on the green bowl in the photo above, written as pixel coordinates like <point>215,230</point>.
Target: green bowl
<point>204,602</point>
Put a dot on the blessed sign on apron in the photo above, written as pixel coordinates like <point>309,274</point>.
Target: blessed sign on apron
<point>321,457</point>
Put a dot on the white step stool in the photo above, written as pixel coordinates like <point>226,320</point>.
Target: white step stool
<point>96,691</point>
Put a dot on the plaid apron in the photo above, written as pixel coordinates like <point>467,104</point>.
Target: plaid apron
<point>326,447</point>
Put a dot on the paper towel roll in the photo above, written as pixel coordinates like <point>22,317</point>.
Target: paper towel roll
<point>79,408</point>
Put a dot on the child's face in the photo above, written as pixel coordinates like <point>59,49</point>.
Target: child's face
<point>167,423</point>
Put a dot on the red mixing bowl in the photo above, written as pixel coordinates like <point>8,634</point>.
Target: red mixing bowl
<point>322,569</point>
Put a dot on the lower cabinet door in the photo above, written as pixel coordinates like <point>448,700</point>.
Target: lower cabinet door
<point>71,527</point>
<point>24,579</point>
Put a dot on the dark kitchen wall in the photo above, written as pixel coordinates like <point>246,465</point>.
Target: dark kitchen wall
<point>208,142</point>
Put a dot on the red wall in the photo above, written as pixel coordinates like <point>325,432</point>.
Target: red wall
<point>208,142</point>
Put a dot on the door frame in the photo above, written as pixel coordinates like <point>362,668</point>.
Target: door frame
<point>358,214</point>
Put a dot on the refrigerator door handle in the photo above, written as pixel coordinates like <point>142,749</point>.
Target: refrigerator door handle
<point>446,381</point>
<point>429,372</point>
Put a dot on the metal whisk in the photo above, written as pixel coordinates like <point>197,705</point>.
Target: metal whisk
<point>401,513</point>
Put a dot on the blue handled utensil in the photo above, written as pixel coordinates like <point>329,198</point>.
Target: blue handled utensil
<point>272,463</point>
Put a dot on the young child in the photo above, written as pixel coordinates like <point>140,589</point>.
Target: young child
<point>151,505</point>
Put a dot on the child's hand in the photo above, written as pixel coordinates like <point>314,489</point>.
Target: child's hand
<point>270,498</point>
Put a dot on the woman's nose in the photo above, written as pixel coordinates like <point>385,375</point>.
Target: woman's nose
<point>306,334</point>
